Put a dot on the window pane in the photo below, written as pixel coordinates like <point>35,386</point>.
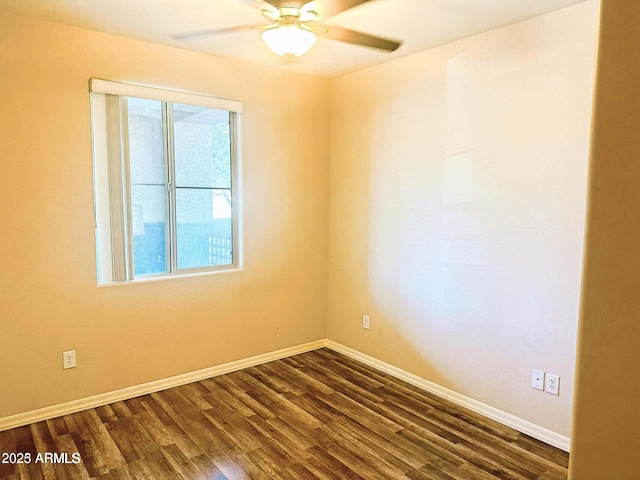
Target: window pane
<point>146,145</point>
<point>148,201</point>
<point>204,227</point>
<point>202,147</point>
<point>148,212</point>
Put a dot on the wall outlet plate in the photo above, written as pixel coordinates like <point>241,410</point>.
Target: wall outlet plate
<point>552,384</point>
<point>365,322</point>
<point>69,359</point>
<point>537,379</point>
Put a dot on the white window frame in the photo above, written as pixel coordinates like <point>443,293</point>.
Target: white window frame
<point>114,245</point>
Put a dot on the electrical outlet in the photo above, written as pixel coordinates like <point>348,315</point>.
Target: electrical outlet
<point>69,359</point>
<point>365,322</point>
<point>537,379</point>
<point>552,384</point>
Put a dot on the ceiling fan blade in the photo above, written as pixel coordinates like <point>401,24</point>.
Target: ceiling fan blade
<point>209,31</point>
<point>328,8</point>
<point>359,38</point>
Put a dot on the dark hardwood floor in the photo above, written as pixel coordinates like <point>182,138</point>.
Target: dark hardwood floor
<point>318,415</point>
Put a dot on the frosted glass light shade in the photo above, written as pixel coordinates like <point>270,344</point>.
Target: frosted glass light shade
<point>289,40</point>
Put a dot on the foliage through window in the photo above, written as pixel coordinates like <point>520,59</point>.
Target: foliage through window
<point>165,183</point>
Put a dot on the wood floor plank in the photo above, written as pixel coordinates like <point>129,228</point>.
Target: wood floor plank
<point>318,469</point>
<point>301,472</point>
<point>433,445</point>
<point>490,465</point>
<point>555,456</point>
<point>314,416</point>
<point>353,463</point>
<point>388,451</point>
<point>209,439</point>
<point>181,464</point>
<point>89,423</point>
<point>303,440</point>
<point>8,445</point>
<point>242,433</point>
<point>323,461</point>
<point>90,453</point>
<point>150,405</point>
<point>251,468</point>
<point>352,409</point>
<point>311,404</point>
<point>230,468</point>
<point>297,375</point>
<point>275,434</point>
<point>229,401</point>
<point>34,439</point>
<point>367,459</point>
<point>154,428</point>
<point>106,413</point>
<point>284,378</point>
<point>68,469</point>
<point>241,396</point>
<point>321,372</point>
<point>184,442</point>
<point>208,468</point>
<point>398,446</point>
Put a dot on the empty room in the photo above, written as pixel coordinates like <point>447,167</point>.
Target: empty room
<point>282,239</point>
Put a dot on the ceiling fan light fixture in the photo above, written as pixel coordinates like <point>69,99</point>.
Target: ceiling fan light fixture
<point>289,40</point>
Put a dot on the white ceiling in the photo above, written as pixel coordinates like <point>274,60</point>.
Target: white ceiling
<point>421,24</point>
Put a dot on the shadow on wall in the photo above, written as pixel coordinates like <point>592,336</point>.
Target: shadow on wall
<point>458,199</point>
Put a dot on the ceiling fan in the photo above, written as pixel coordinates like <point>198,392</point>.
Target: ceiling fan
<point>294,25</point>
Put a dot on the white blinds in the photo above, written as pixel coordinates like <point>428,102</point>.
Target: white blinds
<point>110,181</point>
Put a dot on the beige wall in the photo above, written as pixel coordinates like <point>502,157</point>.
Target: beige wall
<point>606,433</point>
<point>458,185</point>
<point>129,334</point>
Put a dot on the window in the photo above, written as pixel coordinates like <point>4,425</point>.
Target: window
<point>165,183</point>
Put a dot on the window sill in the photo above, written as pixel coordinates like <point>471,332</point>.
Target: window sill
<point>161,278</point>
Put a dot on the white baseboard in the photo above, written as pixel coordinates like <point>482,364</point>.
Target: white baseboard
<point>517,423</point>
<point>94,401</point>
